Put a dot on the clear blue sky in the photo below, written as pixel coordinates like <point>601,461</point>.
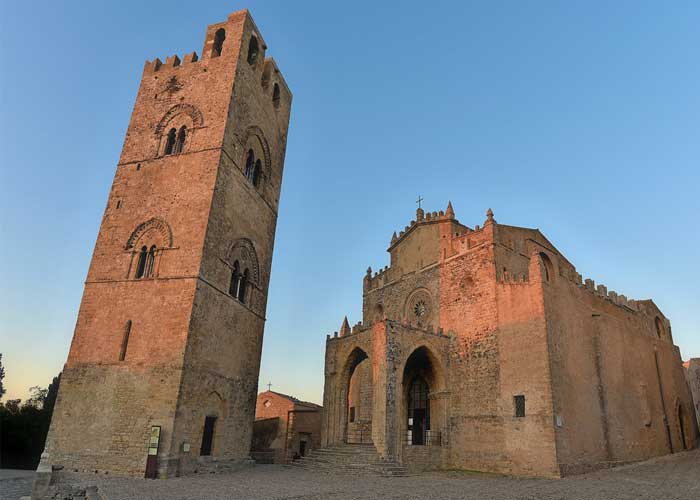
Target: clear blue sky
<point>579,118</point>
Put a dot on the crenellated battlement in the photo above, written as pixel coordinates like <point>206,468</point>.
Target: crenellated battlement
<point>603,293</point>
<point>173,61</point>
<point>361,328</point>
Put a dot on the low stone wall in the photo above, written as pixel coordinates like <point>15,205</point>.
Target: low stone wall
<point>422,458</point>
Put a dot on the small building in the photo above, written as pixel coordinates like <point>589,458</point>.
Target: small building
<point>692,375</point>
<point>285,428</point>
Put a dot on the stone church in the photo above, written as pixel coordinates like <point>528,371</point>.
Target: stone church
<point>482,348</point>
<point>163,367</point>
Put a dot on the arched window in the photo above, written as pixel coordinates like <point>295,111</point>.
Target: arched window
<point>219,38</point>
<point>235,282</point>
<point>249,165</point>
<point>659,327</point>
<point>253,50</point>
<point>378,312</point>
<point>547,266</point>
<point>180,141</point>
<point>125,341</point>
<point>141,265</point>
<point>242,289</point>
<point>170,142</point>
<point>150,262</point>
<point>256,173</point>
<point>276,96</point>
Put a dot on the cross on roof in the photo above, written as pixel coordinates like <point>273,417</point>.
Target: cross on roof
<point>269,384</point>
<point>420,198</point>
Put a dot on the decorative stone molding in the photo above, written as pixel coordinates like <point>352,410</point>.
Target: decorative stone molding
<point>156,224</point>
<point>243,251</point>
<point>188,109</point>
<point>255,131</point>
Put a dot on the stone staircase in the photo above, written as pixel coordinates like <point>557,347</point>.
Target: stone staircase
<point>349,459</point>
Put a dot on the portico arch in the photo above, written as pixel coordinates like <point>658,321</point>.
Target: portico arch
<point>357,394</point>
<point>422,410</point>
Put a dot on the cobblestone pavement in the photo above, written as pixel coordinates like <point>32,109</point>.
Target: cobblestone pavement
<point>674,477</point>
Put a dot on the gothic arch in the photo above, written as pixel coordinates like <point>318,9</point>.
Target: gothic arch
<point>182,108</point>
<point>243,251</point>
<point>255,131</point>
<point>154,224</point>
<point>422,412</point>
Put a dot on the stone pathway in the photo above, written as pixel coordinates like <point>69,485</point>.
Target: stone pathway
<point>674,477</point>
<point>15,483</point>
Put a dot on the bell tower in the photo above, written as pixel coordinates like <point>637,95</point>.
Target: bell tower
<point>170,328</point>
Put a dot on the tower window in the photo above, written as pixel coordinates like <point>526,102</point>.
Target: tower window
<point>249,165</point>
<point>519,403</point>
<point>125,341</point>
<point>276,96</point>
<point>180,141</point>
<point>150,262</point>
<point>256,173</point>
<point>219,38</point>
<point>253,50</point>
<point>239,283</point>
<point>242,289</point>
<point>235,282</point>
<point>145,265</point>
<point>141,265</point>
<point>170,142</point>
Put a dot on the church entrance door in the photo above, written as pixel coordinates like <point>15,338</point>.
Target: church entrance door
<point>418,433</point>
<point>418,410</point>
<point>208,436</point>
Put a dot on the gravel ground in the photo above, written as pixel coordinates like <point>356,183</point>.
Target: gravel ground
<point>668,478</point>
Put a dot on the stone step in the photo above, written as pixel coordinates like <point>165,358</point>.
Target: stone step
<point>349,459</point>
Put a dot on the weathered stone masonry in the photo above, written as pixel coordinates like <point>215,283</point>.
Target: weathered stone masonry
<point>183,258</point>
<point>488,351</point>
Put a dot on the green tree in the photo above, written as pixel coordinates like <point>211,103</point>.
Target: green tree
<point>24,426</point>
<point>2,376</point>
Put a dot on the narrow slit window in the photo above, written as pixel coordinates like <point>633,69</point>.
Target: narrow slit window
<point>125,341</point>
<point>519,402</point>
<point>276,96</point>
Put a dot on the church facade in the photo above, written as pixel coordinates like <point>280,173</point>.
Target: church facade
<point>482,348</point>
<point>161,377</point>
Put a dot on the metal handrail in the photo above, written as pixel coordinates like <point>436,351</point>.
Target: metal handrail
<point>430,438</point>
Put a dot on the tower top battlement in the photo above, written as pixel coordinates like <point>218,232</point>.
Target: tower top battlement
<point>224,40</point>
